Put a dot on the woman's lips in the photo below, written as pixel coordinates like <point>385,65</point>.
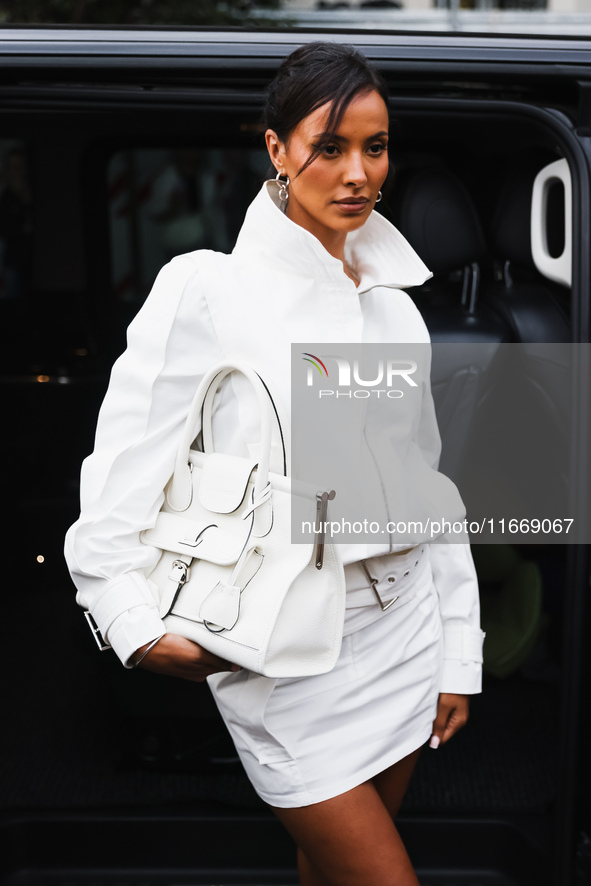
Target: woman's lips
<point>352,204</point>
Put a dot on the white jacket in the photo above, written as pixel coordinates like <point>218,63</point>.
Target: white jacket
<point>278,286</point>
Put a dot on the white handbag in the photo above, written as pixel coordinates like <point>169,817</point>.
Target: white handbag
<point>229,577</point>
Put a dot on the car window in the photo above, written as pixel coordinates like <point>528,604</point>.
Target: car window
<point>16,219</point>
<point>165,202</point>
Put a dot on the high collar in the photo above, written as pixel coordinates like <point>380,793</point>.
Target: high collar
<point>377,252</point>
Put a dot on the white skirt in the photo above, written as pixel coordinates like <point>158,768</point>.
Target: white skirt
<point>307,739</point>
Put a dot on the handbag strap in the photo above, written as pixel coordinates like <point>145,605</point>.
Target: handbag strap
<point>181,488</point>
<point>268,409</point>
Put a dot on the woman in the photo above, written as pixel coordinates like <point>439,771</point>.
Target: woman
<point>333,754</point>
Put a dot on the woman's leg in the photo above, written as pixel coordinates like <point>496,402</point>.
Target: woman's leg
<point>351,840</point>
<point>391,784</point>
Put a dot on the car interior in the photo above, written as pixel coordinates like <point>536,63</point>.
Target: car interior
<point>104,215</point>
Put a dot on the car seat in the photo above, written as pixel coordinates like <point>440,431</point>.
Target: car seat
<point>512,613</point>
<point>434,211</point>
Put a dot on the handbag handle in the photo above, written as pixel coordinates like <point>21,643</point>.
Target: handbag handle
<point>181,488</point>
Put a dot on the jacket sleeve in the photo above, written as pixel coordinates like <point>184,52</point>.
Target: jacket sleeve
<point>455,580</point>
<point>171,344</point>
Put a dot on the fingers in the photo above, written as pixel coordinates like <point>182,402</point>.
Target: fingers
<point>213,662</point>
<point>452,714</point>
<point>178,657</point>
<point>208,659</point>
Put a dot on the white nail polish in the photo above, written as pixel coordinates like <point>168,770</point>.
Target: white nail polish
<point>434,743</point>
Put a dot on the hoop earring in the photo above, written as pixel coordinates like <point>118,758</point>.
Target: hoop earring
<point>379,197</point>
<point>283,187</point>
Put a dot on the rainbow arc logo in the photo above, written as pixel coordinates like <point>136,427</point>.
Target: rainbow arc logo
<point>317,362</point>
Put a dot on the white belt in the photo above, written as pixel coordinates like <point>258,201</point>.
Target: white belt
<point>396,573</point>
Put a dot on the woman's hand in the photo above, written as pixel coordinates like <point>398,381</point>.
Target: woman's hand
<point>452,714</point>
<point>179,657</point>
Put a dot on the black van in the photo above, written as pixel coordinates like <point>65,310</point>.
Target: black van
<point>121,777</point>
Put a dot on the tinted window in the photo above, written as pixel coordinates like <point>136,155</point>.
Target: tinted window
<point>164,202</point>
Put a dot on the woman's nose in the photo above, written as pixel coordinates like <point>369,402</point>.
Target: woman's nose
<point>355,170</point>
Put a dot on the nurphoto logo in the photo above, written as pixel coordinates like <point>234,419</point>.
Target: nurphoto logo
<point>386,372</point>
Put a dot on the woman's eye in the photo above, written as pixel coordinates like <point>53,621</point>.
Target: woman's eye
<point>378,148</point>
<point>330,150</point>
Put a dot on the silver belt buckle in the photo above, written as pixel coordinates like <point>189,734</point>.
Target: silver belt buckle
<point>373,582</point>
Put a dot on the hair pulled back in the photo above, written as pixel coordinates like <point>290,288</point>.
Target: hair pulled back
<point>314,75</point>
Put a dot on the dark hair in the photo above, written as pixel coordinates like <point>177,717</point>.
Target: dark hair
<point>312,76</point>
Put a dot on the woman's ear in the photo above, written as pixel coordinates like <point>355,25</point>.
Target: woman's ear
<point>276,149</point>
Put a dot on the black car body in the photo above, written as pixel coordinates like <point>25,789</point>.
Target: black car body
<point>125,775</point>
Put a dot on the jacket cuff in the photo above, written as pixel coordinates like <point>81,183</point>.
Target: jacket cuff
<point>133,629</point>
<point>462,659</point>
<point>461,677</point>
<point>462,643</point>
<point>126,614</point>
<point>117,596</point>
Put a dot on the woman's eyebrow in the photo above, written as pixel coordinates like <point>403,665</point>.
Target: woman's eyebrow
<point>341,138</point>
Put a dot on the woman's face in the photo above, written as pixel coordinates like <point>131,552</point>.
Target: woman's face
<point>336,193</point>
